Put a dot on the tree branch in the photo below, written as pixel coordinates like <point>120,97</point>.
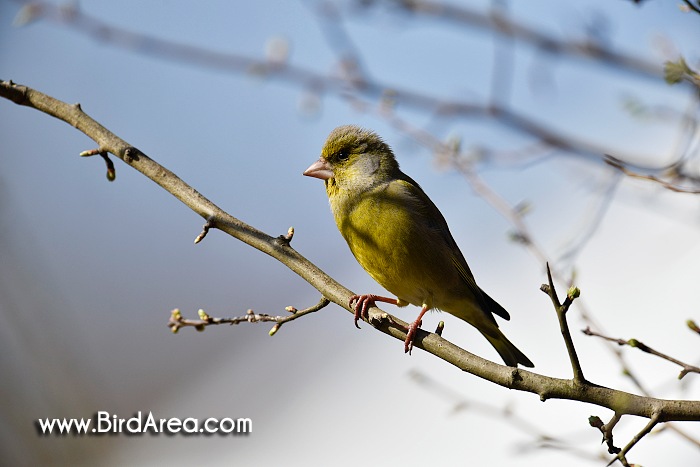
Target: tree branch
<point>686,367</point>
<point>513,378</point>
<point>353,79</point>
<point>561,309</point>
<point>176,320</point>
<point>619,165</point>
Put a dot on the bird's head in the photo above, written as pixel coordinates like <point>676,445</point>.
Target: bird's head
<point>353,158</point>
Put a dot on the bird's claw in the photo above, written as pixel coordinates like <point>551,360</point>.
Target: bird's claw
<point>411,332</point>
<point>364,303</point>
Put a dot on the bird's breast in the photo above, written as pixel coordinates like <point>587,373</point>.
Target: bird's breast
<point>394,245</point>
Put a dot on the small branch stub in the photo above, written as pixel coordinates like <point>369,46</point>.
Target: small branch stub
<point>111,171</point>
<point>440,328</point>
<point>287,238</point>
<point>205,231</point>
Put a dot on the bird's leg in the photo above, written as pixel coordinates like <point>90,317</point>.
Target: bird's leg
<point>412,329</point>
<point>365,302</point>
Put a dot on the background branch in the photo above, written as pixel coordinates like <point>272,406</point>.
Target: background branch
<point>687,368</point>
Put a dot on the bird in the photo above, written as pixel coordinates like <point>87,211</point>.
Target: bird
<point>401,238</point>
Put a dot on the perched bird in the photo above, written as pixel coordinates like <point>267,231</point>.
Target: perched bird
<point>401,239</point>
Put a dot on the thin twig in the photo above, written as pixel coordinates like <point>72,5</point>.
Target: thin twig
<point>606,430</point>
<point>691,6</point>
<point>539,438</point>
<point>561,309</point>
<point>176,320</point>
<point>357,81</point>
<point>686,367</point>
<point>619,165</point>
<point>622,455</point>
<point>205,230</point>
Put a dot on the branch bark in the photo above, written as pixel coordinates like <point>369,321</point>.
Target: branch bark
<point>622,403</point>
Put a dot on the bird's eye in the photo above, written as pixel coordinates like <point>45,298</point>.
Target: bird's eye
<point>343,155</point>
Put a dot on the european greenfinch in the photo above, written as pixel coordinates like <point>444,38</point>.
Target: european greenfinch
<point>401,239</point>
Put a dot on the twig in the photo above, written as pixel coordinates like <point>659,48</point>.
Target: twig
<point>176,320</point>
<point>691,6</point>
<point>622,455</point>
<point>686,367</point>
<point>111,172</point>
<point>354,79</point>
<point>619,165</point>
<point>460,403</point>
<point>561,309</point>
<point>496,21</point>
<point>205,230</point>
<point>607,430</point>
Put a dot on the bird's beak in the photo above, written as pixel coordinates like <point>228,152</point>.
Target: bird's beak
<point>319,169</point>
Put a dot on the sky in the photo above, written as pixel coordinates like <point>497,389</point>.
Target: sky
<point>89,270</point>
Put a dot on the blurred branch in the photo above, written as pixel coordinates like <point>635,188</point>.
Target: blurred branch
<point>636,381</point>
<point>619,165</point>
<point>513,378</point>
<point>540,439</point>
<point>498,21</point>
<point>687,368</point>
<point>352,78</point>
<point>693,7</point>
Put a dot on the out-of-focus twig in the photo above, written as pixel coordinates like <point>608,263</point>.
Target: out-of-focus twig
<point>619,165</point>
<point>686,368</point>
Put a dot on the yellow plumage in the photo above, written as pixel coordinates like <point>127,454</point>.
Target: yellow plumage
<point>400,237</point>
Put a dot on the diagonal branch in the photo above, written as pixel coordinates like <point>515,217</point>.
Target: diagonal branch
<point>622,455</point>
<point>545,387</point>
<point>619,165</point>
<point>499,22</point>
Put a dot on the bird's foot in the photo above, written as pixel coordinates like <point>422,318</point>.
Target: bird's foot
<point>411,335</point>
<point>364,303</point>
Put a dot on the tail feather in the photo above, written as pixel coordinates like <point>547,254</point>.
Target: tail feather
<point>511,355</point>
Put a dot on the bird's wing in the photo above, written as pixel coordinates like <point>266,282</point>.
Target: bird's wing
<point>433,215</point>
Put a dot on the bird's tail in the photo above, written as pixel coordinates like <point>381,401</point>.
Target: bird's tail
<point>510,354</point>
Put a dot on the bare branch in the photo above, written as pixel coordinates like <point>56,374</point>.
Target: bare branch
<point>606,429</point>
<point>176,320</point>
<point>561,309</point>
<point>622,455</point>
<point>539,438</point>
<point>693,7</point>
<point>619,165</point>
<point>352,78</point>
<point>496,21</point>
<point>687,368</point>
